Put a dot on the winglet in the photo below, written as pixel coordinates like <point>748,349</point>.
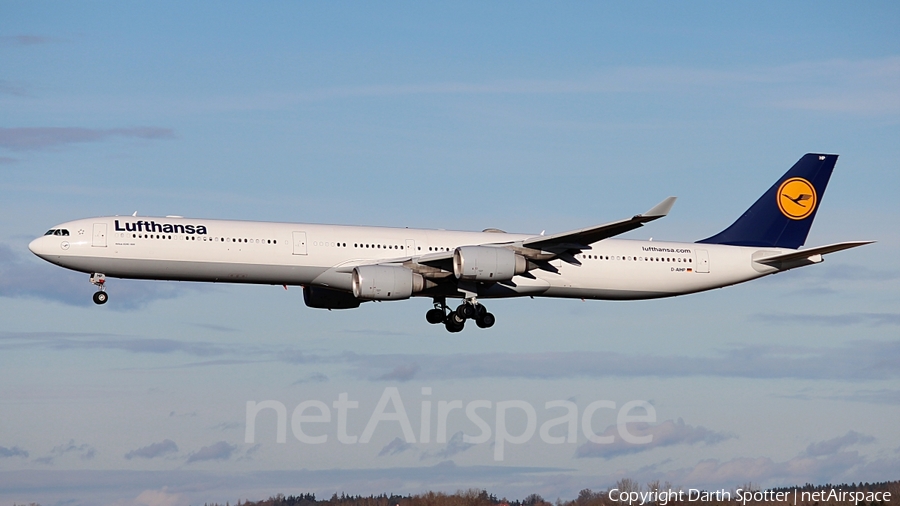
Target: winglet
<point>661,209</point>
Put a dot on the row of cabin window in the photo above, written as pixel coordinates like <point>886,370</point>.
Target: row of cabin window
<point>375,246</point>
<point>211,239</point>
<point>391,246</point>
<point>640,259</point>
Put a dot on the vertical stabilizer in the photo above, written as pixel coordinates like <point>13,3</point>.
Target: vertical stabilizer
<point>782,217</point>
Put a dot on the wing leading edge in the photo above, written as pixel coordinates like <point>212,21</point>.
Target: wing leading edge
<point>582,238</point>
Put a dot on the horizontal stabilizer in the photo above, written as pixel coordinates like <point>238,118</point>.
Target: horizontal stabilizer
<point>809,256</point>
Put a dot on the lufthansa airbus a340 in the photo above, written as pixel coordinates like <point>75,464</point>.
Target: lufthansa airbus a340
<point>340,267</point>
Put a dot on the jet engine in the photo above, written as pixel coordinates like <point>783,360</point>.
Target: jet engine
<point>385,282</point>
<point>483,263</point>
<point>326,298</point>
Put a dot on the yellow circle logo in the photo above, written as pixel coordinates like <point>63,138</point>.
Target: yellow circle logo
<point>796,198</point>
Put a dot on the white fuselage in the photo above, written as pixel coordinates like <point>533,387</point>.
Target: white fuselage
<point>176,248</point>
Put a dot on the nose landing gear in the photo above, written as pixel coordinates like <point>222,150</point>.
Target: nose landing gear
<point>455,320</point>
<point>100,297</point>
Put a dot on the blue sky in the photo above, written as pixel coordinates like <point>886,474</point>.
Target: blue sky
<point>521,116</point>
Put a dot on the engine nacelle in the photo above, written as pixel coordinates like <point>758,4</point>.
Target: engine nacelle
<point>326,298</point>
<point>385,282</point>
<point>483,263</point>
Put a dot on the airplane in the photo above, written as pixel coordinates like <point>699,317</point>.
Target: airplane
<point>340,267</point>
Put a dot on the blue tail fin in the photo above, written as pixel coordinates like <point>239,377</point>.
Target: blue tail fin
<point>782,217</point>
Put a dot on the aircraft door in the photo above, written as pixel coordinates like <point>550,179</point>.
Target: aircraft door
<point>410,247</point>
<point>702,260</point>
<point>299,243</point>
<point>99,239</point>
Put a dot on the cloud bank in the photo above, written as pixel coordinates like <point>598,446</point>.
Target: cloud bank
<point>217,451</point>
<point>667,433</point>
<point>82,451</point>
<point>15,451</point>
<point>154,450</point>
<point>40,138</point>
<point>858,360</point>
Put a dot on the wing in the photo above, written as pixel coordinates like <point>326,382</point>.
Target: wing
<point>439,265</point>
<point>581,239</point>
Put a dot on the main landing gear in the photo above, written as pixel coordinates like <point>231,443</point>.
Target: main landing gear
<point>455,320</point>
<point>100,297</point>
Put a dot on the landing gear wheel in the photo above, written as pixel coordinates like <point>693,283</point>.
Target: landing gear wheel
<point>467,311</point>
<point>454,327</point>
<point>435,316</point>
<point>487,320</point>
<point>99,280</point>
<point>456,319</point>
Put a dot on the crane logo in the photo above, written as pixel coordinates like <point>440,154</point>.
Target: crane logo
<point>796,198</point>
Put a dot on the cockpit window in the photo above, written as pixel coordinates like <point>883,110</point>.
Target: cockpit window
<point>63,232</point>
<point>51,232</point>
<point>57,231</point>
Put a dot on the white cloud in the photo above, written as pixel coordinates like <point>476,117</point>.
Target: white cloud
<point>861,87</point>
<point>217,451</point>
<point>857,360</point>
<point>15,451</point>
<point>26,40</point>
<point>154,450</point>
<point>160,497</point>
<point>83,452</point>
<point>456,444</point>
<point>829,320</point>
<point>835,445</point>
<point>38,138</point>
<point>77,341</point>
<point>403,372</point>
<point>395,447</point>
<point>667,433</point>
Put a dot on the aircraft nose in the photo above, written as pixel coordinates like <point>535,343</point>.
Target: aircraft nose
<point>38,246</point>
